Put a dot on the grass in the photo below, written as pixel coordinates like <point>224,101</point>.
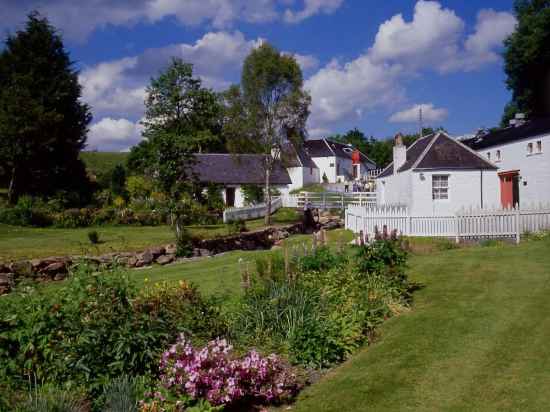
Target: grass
<point>101,162</point>
<point>312,188</point>
<point>28,243</point>
<point>476,339</point>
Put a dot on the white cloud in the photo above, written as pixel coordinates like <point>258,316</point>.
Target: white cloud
<point>312,7</point>
<point>118,87</point>
<point>114,134</point>
<point>306,61</point>
<point>411,115</point>
<point>434,40</point>
<point>340,91</point>
<point>78,19</point>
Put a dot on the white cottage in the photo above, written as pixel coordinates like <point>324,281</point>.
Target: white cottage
<point>338,162</point>
<point>437,176</point>
<point>522,154</point>
<point>231,172</point>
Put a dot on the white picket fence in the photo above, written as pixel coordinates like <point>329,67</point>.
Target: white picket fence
<point>251,212</point>
<point>330,200</point>
<point>467,224</point>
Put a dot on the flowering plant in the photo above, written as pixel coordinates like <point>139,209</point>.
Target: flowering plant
<point>212,373</point>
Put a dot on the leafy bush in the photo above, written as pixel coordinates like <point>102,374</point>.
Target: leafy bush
<point>93,237</point>
<point>236,226</point>
<point>97,327</point>
<point>27,212</point>
<point>51,399</point>
<point>253,194</point>
<point>319,308</point>
<point>214,374</point>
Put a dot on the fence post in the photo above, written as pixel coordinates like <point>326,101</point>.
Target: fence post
<point>518,224</point>
<point>409,225</point>
<point>342,200</point>
<point>324,201</point>
<point>457,224</point>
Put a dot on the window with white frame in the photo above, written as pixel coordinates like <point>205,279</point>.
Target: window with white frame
<point>539,146</point>
<point>489,155</point>
<point>529,148</point>
<point>498,156</point>
<point>440,187</point>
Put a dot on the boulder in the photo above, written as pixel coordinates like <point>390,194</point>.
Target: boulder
<point>132,262</point>
<point>60,276</point>
<point>54,268</point>
<point>144,259</point>
<point>170,249</point>
<point>157,251</point>
<point>22,268</point>
<point>205,252</point>
<point>166,259</point>
<point>6,279</point>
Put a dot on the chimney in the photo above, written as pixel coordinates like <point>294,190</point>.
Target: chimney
<point>399,153</point>
<point>519,120</point>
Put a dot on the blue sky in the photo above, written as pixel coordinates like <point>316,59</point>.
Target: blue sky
<point>367,63</point>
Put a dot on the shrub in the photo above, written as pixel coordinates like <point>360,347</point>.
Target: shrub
<point>214,374</point>
<point>51,399</point>
<point>73,218</point>
<point>253,194</point>
<point>27,212</point>
<point>97,327</point>
<point>139,187</point>
<point>123,394</point>
<point>93,237</point>
<point>236,226</point>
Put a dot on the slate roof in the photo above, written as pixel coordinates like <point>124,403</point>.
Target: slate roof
<point>532,128</point>
<point>329,148</point>
<point>439,151</point>
<point>297,157</point>
<point>241,169</point>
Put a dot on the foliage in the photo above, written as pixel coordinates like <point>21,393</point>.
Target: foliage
<point>27,212</point>
<point>139,187</point>
<point>236,226</point>
<point>268,110</point>
<point>50,399</point>
<point>43,123</point>
<point>213,373</point>
<point>118,180</point>
<point>322,306</point>
<point>527,59</point>
<point>253,194</point>
<point>123,394</point>
<point>93,237</point>
<point>95,328</point>
<point>214,198</point>
<point>190,123</point>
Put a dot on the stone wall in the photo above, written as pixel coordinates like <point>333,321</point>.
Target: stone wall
<point>56,268</point>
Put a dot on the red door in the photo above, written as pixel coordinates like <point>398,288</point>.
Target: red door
<point>509,189</point>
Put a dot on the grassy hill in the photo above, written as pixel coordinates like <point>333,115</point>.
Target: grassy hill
<point>101,162</point>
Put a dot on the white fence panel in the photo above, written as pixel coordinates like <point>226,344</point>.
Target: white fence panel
<point>336,200</point>
<point>251,212</point>
<point>472,224</point>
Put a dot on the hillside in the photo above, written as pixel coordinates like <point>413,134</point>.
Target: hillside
<point>101,162</point>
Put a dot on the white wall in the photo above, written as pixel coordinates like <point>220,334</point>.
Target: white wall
<point>465,191</point>
<point>301,176</point>
<point>534,170</point>
<point>239,195</point>
<point>323,163</point>
<point>414,189</point>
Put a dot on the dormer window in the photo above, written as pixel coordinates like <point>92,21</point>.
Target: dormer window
<point>489,155</point>
<point>498,156</point>
<point>539,146</point>
<point>530,148</point>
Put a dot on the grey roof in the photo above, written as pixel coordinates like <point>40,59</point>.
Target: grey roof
<point>297,157</point>
<point>439,151</point>
<point>225,168</point>
<point>329,148</point>
<point>531,128</point>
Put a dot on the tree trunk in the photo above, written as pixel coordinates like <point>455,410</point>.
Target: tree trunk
<point>11,188</point>
<point>267,219</point>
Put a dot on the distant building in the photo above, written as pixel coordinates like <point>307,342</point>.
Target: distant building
<point>522,154</point>
<point>337,161</point>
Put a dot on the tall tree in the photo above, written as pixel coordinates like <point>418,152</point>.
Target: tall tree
<point>181,117</point>
<point>43,123</point>
<point>268,110</point>
<point>527,60</point>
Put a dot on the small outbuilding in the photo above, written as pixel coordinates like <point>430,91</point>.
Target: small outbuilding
<point>437,176</point>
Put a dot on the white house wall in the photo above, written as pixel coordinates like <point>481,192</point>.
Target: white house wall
<point>395,189</point>
<point>465,191</point>
<point>302,176</point>
<point>324,165</point>
<point>534,170</point>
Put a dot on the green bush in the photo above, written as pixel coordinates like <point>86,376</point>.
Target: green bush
<point>27,212</point>
<point>96,328</point>
<point>253,194</point>
<point>236,226</point>
<point>326,306</point>
<point>52,399</point>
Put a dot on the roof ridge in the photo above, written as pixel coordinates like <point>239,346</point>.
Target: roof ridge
<point>329,148</point>
<point>471,150</point>
<point>434,137</point>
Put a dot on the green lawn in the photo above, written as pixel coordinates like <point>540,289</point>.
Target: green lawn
<point>23,242</point>
<point>477,339</point>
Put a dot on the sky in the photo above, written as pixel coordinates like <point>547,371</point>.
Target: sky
<point>369,64</point>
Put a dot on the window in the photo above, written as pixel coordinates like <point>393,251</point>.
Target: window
<point>310,171</point>
<point>331,165</point>
<point>498,156</point>
<point>539,146</point>
<point>440,187</point>
<point>530,148</point>
<point>489,155</point>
